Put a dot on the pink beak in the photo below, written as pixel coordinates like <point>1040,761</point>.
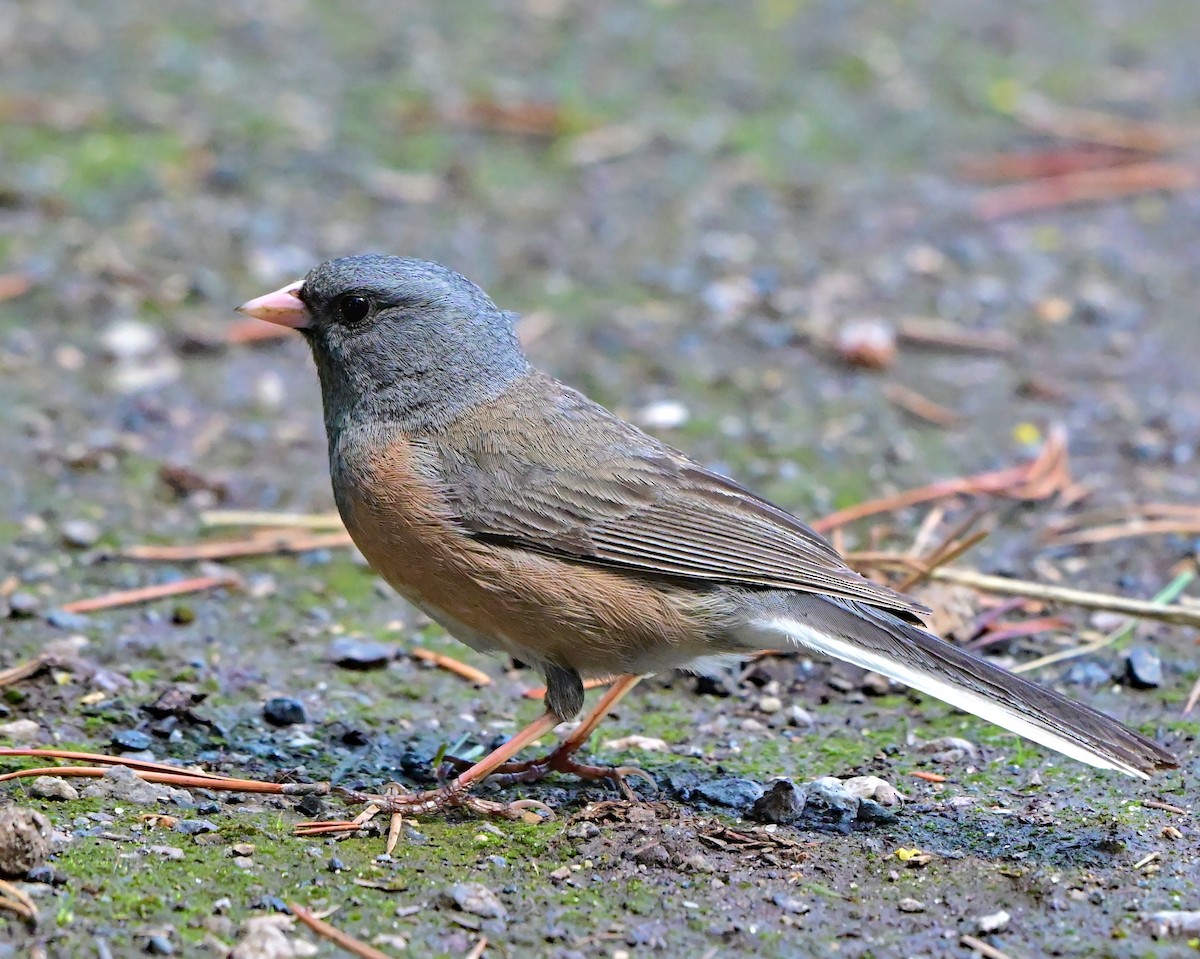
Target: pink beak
<point>284,307</point>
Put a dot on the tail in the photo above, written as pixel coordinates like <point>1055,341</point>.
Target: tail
<point>876,640</point>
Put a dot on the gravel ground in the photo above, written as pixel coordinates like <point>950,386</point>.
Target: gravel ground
<point>689,203</point>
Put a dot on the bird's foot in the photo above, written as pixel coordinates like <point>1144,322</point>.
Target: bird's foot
<point>562,760</point>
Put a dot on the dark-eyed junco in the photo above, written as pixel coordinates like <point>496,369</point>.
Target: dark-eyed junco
<point>528,520</point>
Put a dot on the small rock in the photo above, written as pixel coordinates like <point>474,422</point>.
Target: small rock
<point>172,853</point>
<point>830,802</point>
<point>335,865</point>
<point>948,749</point>
<point>663,415</point>
<point>61,619</point>
<point>876,684</point>
<point>770,704</point>
<point>1143,668</point>
<point>799,716</point>
<point>1087,673</point>
<point>26,838</point>
<point>783,802</point>
<point>159,946</point>
<point>910,905</point>
<point>20,731</point>
<point>23,605</point>
<point>477,899</point>
<point>194,827</point>
<point>242,849</point>
<point>871,811</point>
<point>698,862</point>
<point>79,533</point>
<point>131,740</point>
<point>121,783</point>
<point>868,343</point>
<point>284,711</point>
<point>993,922</point>
<point>271,937</point>
<point>647,744</point>
<point>734,793</point>
<point>872,787</point>
<point>53,787</point>
<point>792,904</point>
<point>351,652</point>
<point>130,339</point>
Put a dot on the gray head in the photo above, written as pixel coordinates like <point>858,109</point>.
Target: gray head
<point>398,339</point>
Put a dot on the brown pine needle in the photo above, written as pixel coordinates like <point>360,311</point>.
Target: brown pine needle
<point>928,777</point>
<point>922,407</point>
<point>342,939</point>
<point>1165,612</point>
<point>246,517</point>
<point>16,899</point>
<point>1104,129</point>
<point>1134,528</point>
<point>1086,186</point>
<point>982,948</point>
<point>146,594</point>
<point>1040,478</point>
<point>259,545</point>
<point>1165,806</point>
<point>941,334</point>
<point>478,949</point>
<point>452,665</point>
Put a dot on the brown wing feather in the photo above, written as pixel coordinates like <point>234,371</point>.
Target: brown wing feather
<point>549,470</point>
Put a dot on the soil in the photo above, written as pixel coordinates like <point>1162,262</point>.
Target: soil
<point>686,202</point>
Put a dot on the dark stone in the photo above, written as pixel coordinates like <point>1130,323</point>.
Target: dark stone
<point>871,811</point>
<point>23,605</point>
<point>734,793</point>
<point>352,653</point>
<point>48,875</point>
<point>131,740</point>
<point>1143,668</point>
<point>270,904</point>
<point>335,865</point>
<point>830,803</point>
<point>782,802</point>
<point>310,806</point>
<point>193,827</point>
<point>159,946</point>
<point>284,711</point>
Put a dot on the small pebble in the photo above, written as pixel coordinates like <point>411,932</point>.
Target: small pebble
<point>335,865</point>
<point>770,704</point>
<point>476,899</point>
<point>194,827</point>
<point>351,652</point>
<point>284,711</point>
<point>993,922</point>
<point>867,343</point>
<point>783,802</point>
<point>131,740</point>
<point>159,946</point>
<point>52,787</point>
<point>23,605</point>
<point>663,415</point>
<point>79,533</point>
<point>876,684</point>
<point>26,838</point>
<point>910,905</point>
<point>734,793</point>
<point>20,731</point>
<point>1143,668</point>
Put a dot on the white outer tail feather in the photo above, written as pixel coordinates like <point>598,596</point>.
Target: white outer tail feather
<point>799,633</point>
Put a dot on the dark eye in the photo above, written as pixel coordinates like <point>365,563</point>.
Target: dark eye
<point>353,308</point>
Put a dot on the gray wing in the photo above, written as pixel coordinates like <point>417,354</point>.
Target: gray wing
<point>569,478</point>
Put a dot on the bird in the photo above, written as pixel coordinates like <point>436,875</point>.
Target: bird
<point>528,520</point>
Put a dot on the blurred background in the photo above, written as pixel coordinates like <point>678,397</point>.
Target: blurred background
<point>834,249</point>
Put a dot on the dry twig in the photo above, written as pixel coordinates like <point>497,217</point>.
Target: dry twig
<point>263,544</point>
<point>982,948</point>
<point>922,407</point>
<point>146,594</point>
<point>342,939</point>
<point>15,899</point>
<point>451,665</point>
